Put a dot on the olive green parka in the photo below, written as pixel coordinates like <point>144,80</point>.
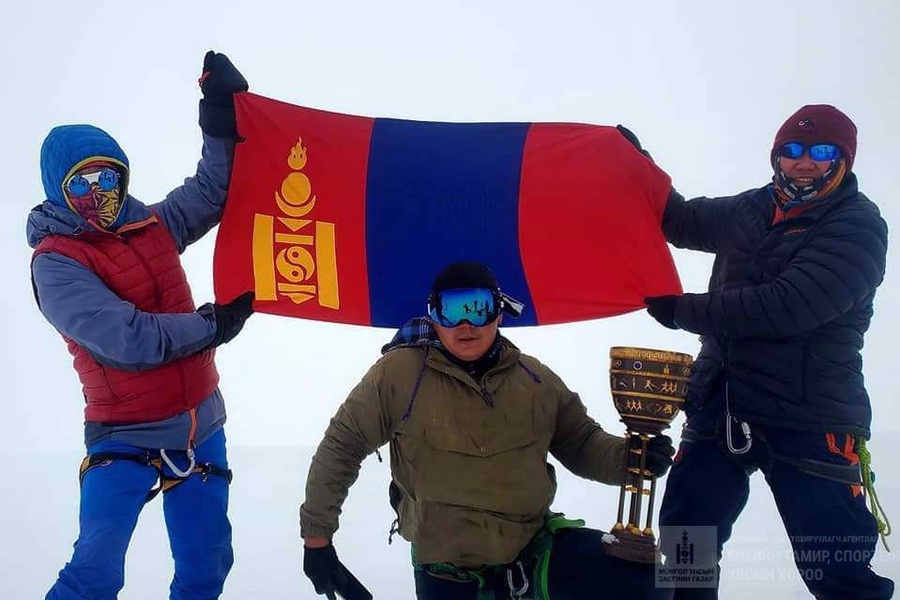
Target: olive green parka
<point>468,458</point>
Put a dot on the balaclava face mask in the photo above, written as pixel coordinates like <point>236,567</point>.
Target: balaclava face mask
<point>93,190</point>
<point>790,195</point>
<point>83,169</point>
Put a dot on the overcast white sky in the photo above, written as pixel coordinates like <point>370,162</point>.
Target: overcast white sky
<point>704,84</point>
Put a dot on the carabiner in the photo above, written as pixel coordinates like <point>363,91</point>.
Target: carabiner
<point>745,429</point>
<point>178,472</point>
<point>517,592</point>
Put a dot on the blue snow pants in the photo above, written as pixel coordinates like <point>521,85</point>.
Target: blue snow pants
<point>833,535</point>
<point>112,497</point>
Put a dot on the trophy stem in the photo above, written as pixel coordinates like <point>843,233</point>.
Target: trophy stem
<point>648,530</point>
<point>619,525</point>
<point>637,488</point>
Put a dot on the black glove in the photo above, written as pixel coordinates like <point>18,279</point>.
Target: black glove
<point>662,308</point>
<point>629,135</point>
<point>229,317</point>
<point>219,82</point>
<point>659,454</point>
<point>330,577</point>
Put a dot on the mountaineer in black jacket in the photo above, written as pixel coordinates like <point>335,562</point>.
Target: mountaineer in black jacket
<point>778,384</point>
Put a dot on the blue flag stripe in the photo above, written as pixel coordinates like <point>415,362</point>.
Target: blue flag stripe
<point>437,193</point>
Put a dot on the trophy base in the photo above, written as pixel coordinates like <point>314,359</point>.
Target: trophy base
<point>634,548</point>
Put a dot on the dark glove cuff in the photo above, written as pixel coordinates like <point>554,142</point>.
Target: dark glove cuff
<point>633,140</point>
<point>672,313</point>
<point>662,308</point>
<point>208,311</point>
<point>218,121</point>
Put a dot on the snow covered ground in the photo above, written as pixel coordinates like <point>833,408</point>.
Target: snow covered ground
<point>38,522</point>
<point>704,84</point>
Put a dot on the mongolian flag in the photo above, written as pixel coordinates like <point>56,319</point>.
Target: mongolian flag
<point>347,219</point>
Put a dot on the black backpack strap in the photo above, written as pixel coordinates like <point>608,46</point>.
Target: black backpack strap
<point>394,495</point>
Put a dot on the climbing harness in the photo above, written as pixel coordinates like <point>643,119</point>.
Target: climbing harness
<point>847,474</point>
<point>166,483</point>
<point>852,475</point>
<point>515,574</point>
<point>860,474</point>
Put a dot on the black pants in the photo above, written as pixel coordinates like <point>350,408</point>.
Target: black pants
<point>832,533</point>
<point>579,570</point>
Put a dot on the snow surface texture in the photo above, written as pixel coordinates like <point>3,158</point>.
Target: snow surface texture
<point>39,525</point>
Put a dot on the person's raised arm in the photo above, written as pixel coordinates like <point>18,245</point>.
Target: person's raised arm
<point>195,207</point>
<point>842,264</point>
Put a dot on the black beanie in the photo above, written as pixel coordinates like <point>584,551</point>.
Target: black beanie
<point>464,275</point>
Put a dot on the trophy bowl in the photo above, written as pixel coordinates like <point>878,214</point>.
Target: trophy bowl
<point>648,386</point>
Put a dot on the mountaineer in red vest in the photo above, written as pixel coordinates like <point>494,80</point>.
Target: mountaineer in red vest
<point>107,275</point>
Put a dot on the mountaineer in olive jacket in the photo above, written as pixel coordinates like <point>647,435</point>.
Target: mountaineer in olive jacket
<point>487,484</point>
<point>778,385</point>
<point>470,421</point>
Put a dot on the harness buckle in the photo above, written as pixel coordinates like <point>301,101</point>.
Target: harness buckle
<point>517,592</point>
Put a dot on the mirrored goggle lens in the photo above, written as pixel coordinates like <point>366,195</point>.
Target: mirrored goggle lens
<point>475,305</point>
<point>820,152</point>
<point>791,150</point>
<point>824,152</point>
<point>106,180</point>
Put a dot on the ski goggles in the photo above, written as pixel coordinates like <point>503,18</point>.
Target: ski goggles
<point>80,184</point>
<point>818,152</point>
<point>478,306</point>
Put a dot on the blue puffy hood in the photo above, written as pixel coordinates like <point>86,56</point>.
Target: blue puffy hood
<point>67,146</point>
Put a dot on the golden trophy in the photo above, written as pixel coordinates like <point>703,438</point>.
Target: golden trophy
<point>648,389</point>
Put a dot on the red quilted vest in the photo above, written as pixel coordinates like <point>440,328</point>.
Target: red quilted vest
<point>141,267</point>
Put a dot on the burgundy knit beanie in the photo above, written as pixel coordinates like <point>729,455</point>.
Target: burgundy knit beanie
<point>819,124</point>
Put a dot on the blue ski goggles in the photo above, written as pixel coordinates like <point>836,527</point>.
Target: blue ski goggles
<point>80,184</point>
<point>818,152</point>
<point>478,306</point>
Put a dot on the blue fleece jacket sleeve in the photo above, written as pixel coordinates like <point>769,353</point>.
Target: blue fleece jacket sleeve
<point>80,306</point>
<point>192,209</point>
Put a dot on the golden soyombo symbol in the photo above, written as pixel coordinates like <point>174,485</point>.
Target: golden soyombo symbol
<point>293,255</point>
<point>648,389</point>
